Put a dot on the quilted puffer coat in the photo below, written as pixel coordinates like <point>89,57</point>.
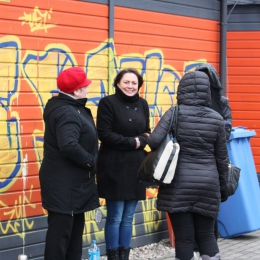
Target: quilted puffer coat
<point>201,174</point>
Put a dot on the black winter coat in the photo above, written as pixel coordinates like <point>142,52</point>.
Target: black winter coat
<point>67,173</point>
<point>119,120</point>
<point>202,169</point>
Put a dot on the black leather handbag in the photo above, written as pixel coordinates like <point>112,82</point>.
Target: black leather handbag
<point>158,167</point>
<point>233,178</point>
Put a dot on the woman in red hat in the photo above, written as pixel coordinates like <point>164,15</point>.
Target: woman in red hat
<point>67,173</point>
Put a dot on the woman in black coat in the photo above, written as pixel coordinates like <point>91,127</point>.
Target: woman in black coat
<point>220,104</point>
<point>123,128</point>
<point>193,198</point>
<point>67,173</point>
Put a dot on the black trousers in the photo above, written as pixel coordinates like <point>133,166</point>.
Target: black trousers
<point>187,226</point>
<point>64,236</point>
<point>216,233</point>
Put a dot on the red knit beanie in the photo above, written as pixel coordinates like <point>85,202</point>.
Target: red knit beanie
<point>72,79</point>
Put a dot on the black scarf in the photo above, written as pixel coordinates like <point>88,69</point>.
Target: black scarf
<point>128,99</point>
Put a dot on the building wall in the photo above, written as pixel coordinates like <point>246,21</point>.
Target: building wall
<point>38,39</point>
<point>243,74</point>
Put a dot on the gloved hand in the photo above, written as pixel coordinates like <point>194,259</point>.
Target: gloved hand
<point>224,195</point>
<point>228,129</point>
<point>223,199</point>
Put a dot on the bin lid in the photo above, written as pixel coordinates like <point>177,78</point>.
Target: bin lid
<point>240,132</point>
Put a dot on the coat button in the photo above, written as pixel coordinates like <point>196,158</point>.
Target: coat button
<point>127,107</point>
<point>130,119</point>
<point>135,108</point>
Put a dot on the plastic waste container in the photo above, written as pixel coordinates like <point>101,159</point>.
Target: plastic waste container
<point>240,214</point>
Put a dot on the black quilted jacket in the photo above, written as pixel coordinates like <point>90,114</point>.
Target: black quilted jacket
<point>202,168</point>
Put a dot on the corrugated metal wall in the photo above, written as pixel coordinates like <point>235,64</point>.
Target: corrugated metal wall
<point>243,70</point>
<point>38,39</point>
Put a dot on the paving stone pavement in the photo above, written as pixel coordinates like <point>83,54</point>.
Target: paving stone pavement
<point>246,246</point>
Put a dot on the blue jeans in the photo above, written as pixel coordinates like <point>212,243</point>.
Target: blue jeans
<point>118,228</point>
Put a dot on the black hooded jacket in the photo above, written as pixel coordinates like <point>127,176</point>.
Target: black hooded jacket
<point>67,173</point>
<point>201,174</point>
<point>219,103</point>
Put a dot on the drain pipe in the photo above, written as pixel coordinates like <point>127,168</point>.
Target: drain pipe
<point>111,21</point>
<point>223,45</point>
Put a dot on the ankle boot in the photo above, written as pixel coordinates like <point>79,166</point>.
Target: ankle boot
<point>113,254</point>
<point>124,253</point>
<point>216,257</point>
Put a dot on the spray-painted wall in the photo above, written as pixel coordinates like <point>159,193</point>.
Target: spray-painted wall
<point>38,39</point>
<point>243,70</point>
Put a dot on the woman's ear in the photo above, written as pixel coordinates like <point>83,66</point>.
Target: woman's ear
<point>76,92</point>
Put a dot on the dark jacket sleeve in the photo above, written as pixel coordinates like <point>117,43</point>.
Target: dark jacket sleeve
<point>222,162</point>
<point>68,129</point>
<point>160,130</point>
<point>143,138</point>
<point>227,116</point>
<point>147,116</point>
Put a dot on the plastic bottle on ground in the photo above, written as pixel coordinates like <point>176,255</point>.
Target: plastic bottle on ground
<point>94,251</point>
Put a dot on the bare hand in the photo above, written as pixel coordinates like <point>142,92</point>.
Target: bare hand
<point>137,143</point>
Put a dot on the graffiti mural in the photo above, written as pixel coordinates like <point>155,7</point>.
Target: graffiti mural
<point>20,153</point>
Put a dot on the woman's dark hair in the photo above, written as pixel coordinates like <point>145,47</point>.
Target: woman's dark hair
<point>120,75</point>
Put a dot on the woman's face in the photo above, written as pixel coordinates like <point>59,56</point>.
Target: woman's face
<point>129,84</point>
<point>81,93</point>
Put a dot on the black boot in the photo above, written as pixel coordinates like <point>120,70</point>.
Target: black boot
<point>124,253</point>
<point>113,254</point>
<point>216,257</point>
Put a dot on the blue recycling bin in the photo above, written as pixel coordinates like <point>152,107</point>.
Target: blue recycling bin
<point>240,214</point>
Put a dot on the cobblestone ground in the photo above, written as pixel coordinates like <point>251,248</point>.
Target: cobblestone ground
<point>152,251</point>
<point>246,246</point>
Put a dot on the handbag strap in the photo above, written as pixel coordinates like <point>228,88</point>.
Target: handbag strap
<point>176,122</point>
<point>175,112</point>
<point>170,125</point>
